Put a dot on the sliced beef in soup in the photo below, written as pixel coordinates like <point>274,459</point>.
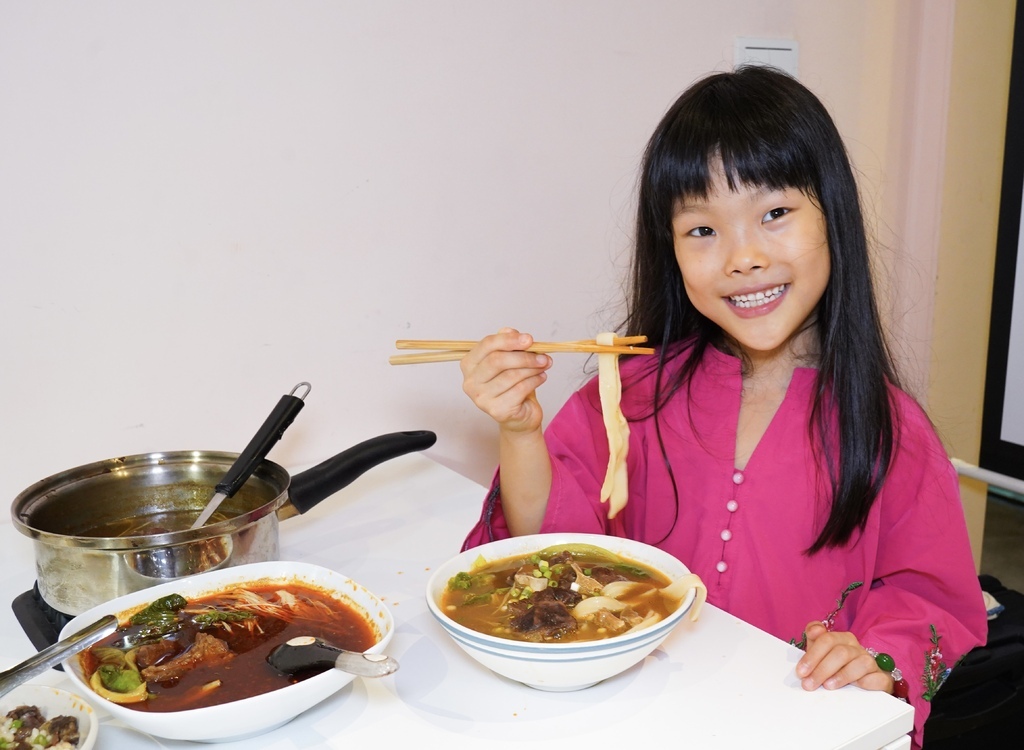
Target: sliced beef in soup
<point>546,619</point>
<point>151,653</point>
<point>604,575</point>
<point>205,651</point>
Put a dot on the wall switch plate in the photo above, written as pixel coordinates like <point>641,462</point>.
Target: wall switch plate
<point>779,53</point>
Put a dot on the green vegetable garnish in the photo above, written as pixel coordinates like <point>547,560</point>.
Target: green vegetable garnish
<point>460,581</point>
<point>214,616</point>
<point>159,611</point>
<point>630,569</point>
<point>589,551</point>
<point>119,680</point>
<point>159,618</point>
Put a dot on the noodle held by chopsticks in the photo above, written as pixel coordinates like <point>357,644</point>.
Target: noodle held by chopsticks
<point>615,489</point>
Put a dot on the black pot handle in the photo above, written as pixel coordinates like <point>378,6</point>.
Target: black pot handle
<point>323,480</point>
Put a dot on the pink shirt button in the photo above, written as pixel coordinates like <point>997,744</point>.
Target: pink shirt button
<point>737,477</point>
<point>731,506</point>
<point>721,567</point>
<point>726,535</point>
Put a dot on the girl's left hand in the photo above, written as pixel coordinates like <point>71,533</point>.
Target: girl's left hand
<point>834,659</point>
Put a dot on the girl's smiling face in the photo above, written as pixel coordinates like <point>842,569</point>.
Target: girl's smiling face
<point>756,262</point>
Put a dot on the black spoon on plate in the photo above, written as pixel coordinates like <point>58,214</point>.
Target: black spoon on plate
<point>305,652</point>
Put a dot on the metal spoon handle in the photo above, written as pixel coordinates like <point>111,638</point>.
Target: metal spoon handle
<point>366,665</point>
<point>53,655</point>
<point>273,427</point>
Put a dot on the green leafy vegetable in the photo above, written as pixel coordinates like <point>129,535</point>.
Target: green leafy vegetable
<point>464,581</point>
<point>159,611</point>
<point>118,679</point>
<point>461,581</point>
<point>160,617</point>
<point>630,569</point>
<point>590,551</point>
<point>206,619</point>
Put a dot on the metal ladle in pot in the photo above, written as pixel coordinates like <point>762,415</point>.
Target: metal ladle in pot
<point>269,433</point>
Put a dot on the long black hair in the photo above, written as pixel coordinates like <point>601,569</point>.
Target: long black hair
<point>770,131</point>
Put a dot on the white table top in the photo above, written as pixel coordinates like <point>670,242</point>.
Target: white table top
<point>716,683</point>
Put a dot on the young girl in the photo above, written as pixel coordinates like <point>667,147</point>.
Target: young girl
<point>770,447</point>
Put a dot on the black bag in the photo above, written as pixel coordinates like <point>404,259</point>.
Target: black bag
<point>981,704</point>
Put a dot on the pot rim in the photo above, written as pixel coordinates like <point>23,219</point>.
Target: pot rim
<point>36,494</point>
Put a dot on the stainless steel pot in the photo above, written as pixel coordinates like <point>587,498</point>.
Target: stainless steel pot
<point>116,526</point>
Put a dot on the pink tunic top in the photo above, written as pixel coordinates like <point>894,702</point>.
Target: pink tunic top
<point>744,532</point>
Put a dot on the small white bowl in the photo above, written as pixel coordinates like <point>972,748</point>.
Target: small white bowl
<point>557,666</point>
<point>53,702</point>
<point>251,716</point>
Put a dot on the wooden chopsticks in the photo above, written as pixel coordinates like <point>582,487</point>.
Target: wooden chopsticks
<point>451,351</point>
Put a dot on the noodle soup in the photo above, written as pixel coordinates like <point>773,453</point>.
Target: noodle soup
<point>561,594</point>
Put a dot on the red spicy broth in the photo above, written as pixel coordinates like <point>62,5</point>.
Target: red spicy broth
<point>302,610</point>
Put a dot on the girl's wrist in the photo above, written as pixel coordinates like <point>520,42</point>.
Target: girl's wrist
<point>900,687</point>
<point>520,435</point>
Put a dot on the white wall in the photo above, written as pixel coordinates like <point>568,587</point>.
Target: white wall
<point>204,203</point>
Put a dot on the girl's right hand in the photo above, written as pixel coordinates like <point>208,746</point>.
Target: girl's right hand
<point>502,379</point>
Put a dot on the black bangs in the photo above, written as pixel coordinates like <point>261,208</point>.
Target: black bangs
<point>766,134</point>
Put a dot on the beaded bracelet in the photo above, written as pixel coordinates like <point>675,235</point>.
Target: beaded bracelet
<point>900,688</point>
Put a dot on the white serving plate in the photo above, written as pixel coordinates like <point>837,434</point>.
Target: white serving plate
<point>250,716</point>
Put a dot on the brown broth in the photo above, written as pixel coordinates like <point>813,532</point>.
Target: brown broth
<point>472,608</point>
<point>248,673</point>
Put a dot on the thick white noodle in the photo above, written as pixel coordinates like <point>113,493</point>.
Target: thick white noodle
<point>680,587</point>
<point>592,604</point>
<point>615,490</point>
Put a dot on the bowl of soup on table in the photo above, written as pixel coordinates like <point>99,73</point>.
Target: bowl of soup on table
<point>562,611</point>
<point>189,660</point>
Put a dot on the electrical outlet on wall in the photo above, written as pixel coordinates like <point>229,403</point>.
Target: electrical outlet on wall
<point>779,53</point>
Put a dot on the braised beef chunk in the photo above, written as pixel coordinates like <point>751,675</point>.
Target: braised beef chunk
<point>561,592</point>
<point>62,729</point>
<point>611,622</point>
<point>245,636</point>
<point>517,607</point>
<point>29,716</point>
<point>562,558</point>
<point>604,576</point>
<point>152,653</point>
<point>206,650</point>
<point>546,619</point>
